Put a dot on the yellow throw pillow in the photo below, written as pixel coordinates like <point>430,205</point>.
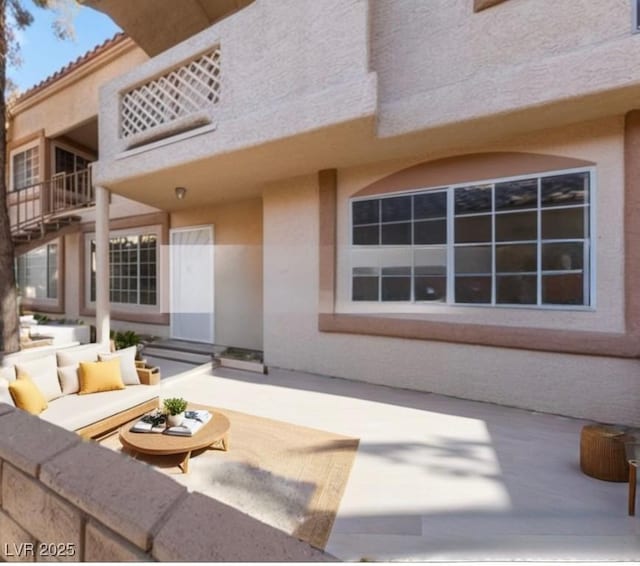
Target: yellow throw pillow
<point>100,376</point>
<point>27,396</point>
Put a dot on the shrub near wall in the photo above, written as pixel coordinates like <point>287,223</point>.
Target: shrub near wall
<point>73,500</point>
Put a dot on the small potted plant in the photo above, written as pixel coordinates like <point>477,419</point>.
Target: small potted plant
<point>175,408</point>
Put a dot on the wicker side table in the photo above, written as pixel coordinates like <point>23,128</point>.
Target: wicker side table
<point>602,453</point>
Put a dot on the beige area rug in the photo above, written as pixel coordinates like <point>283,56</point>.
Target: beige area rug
<point>287,476</point>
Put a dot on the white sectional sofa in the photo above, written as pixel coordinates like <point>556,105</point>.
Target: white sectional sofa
<point>91,414</point>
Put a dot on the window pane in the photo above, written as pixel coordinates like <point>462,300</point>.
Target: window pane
<point>469,200</point>
<point>517,257</point>
<point>430,261</point>
<point>473,289</point>
<point>563,223</point>
<point>396,234</point>
<point>517,194</point>
<point>432,205</point>
<point>366,235</point>
<point>127,272</point>
<point>396,288</point>
<point>430,288</point>
<point>394,257</point>
<point>396,209</point>
<point>373,271</point>
<point>396,271</point>
<point>562,256</point>
<point>365,212</point>
<point>365,289</point>
<point>430,232</point>
<point>564,289</point>
<point>517,289</point>
<point>26,166</point>
<point>471,229</point>
<point>516,226</point>
<point>473,259</point>
<point>565,189</point>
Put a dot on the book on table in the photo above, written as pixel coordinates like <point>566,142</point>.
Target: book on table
<point>156,423</point>
<point>192,423</point>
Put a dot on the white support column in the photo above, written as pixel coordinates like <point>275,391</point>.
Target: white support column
<point>102,266</point>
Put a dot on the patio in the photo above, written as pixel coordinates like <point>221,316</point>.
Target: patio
<point>437,478</point>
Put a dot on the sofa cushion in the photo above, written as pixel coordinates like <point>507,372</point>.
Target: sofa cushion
<point>100,376</point>
<point>44,374</point>
<point>27,396</point>
<point>69,381</point>
<point>127,357</point>
<point>77,411</point>
<point>75,355</point>
<point>5,395</point>
<point>8,373</point>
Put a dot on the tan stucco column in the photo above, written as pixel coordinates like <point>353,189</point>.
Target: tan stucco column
<point>102,266</point>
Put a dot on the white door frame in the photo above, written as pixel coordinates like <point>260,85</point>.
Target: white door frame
<point>172,231</point>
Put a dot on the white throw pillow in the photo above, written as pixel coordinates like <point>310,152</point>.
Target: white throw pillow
<point>73,356</point>
<point>69,380</point>
<point>44,373</point>
<point>8,373</point>
<point>5,395</point>
<point>127,364</point>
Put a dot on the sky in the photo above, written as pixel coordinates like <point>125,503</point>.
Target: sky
<point>42,54</point>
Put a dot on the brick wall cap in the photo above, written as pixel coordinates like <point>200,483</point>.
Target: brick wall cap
<point>129,497</point>
<point>230,536</point>
<point>27,441</point>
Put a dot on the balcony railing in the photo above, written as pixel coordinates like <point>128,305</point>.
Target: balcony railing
<point>30,206</point>
<point>159,106</point>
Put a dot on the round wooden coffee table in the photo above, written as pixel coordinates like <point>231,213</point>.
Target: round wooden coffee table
<point>158,444</point>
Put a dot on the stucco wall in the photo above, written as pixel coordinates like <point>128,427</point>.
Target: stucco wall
<point>287,67</point>
<point>237,268</point>
<point>599,388</point>
<point>422,32</point>
<point>77,102</point>
<point>440,63</point>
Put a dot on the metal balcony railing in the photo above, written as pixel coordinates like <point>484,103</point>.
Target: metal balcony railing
<point>32,206</point>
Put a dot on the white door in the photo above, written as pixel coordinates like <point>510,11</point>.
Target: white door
<point>192,313</point>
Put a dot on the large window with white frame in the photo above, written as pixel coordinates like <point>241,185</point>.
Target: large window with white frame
<point>133,259</point>
<point>516,241</point>
<point>37,273</point>
<point>25,168</point>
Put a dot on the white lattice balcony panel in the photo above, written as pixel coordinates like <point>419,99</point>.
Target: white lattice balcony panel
<point>167,104</point>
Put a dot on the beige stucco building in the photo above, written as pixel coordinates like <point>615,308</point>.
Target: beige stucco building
<point>432,195</point>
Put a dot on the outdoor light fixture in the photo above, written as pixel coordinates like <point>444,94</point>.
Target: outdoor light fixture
<point>180,192</point>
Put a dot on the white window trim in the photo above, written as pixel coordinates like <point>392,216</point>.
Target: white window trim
<point>156,230</point>
<point>22,149</point>
<point>635,13</point>
<point>413,306</point>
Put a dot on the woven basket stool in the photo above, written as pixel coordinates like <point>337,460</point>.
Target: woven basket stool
<point>602,453</point>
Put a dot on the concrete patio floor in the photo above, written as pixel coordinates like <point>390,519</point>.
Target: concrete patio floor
<point>441,479</point>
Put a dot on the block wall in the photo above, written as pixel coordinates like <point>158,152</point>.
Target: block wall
<point>66,499</point>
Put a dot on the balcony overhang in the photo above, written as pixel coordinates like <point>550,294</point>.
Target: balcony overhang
<point>156,25</point>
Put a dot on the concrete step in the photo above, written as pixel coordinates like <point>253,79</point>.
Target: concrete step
<point>176,355</point>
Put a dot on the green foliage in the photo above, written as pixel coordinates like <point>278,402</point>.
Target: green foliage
<point>125,339</point>
<point>175,405</point>
<point>44,319</point>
